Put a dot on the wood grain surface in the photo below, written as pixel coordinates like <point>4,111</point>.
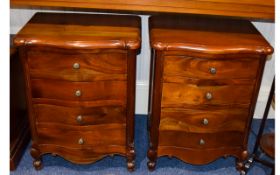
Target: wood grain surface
<point>80,73</point>
<point>191,120</point>
<point>98,90</point>
<point>206,35</point>
<point>206,76</point>
<point>197,156</point>
<point>81,31</point>
<point>192,140</point>
<point>180,95</point>
<point>84,155</point>
<point>245,8</point>
<point>57,64</point>
<point>94,135</point>
<point>46,113</point>
<point>200,67</point>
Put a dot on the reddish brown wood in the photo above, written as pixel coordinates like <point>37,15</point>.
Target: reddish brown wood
<point>226,68</point>
<point>176,94</point>
<point>219,139</point>
<point>191,120</point>
<point>19,129</point>
<point>90,91</point>
<point>84,155</point>
<point>106,65</point>
<point>47,113</point>
<point>99,121</point>
<point>131,80</point>
<point>197,156</point>
<point>243,8</point>
<point>185,122</point>
<point>78,31</point>
<point>206,35</point>
<point>92,135</point>
<point>267,144</point>
<point>155,106</point>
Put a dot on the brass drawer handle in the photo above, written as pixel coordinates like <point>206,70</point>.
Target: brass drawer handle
<point>78,93</point>
<point>81,141</point>
<point>79,119</point>
<point>205,121</point>
<point>76,66</point>
<point>208,96</point>
<point>213,70</point>
<point>201,142</point>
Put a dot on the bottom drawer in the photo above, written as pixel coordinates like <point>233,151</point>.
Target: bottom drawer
<point>81,136</point>
<point>83,155</point>
<point>200,156</point>
<point>197,140</point>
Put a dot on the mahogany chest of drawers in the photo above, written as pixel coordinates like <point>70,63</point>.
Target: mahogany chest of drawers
<point>80,84</point>
<point>206,74</point>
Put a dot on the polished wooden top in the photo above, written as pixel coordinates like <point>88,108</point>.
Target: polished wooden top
<point>260,9</point>
<point>206,35</point>
<point>81,31</point>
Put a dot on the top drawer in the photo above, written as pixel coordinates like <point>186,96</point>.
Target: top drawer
<point>203,68</point>
<point>74,66</point>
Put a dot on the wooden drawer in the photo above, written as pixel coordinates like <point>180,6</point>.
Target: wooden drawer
<point>85,154</point>
<point>201,68</point>
<point>72,65</point>
<point>180,95</point>
<point>89,91</point>
<point>193,140</point>
<point>81,136</point>
<point>79,116</point>
<point>204,120</point>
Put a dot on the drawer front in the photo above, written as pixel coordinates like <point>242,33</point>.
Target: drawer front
<point>179,95</point>
<point>84,155</point>
<point>204,120</point>
<point>79,116</point>
<point>201,141</point>
<point>210,68</point>
<point>79,91</point>
<point>65,65</point>
<point>81,136</point>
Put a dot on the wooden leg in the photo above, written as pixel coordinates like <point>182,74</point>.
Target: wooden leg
<point>152,155</point>
<point>240,165</point>
<point>37,163</point>
<point>131,159</point>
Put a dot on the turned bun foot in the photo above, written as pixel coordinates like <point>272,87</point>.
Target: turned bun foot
<point>37,164</point>
<point>240,166</point>
<point>151,165</point>
<point>131,166</point>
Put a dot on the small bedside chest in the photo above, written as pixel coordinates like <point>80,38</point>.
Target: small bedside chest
<point>80,81</point>
<point>206,75</point>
